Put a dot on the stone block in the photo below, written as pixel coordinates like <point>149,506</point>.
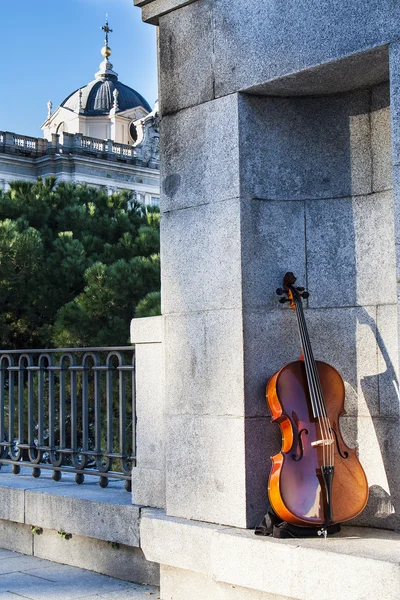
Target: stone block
<point>381,139</point>
<point>204,363</point>
<point>388,361</point>
<point>147,330</point>
<point>179,584</point>
<point>176,542</point>
<point>362,70</point>
<point>211,172</point>
<point>346,339</point>
<point>331,253</point>
<point>260,443</point>
<point>155,9</point>
<point>16,537</point>
<point>258,42</point>
<point>12,505</point>
<point>149,406</point>
<point>301,148</point>
<point>62,509</point>
<point>273,242</point>
<point>114,560</point>
<point>186,56</point>
<point>201,257</point>
<point>366,559</point>
<point>378,445</point>
<point>394,64</point>
<point>267,349</point>
<point>350,251</point>
<point>240,558</point>
<point>396,201</point>
<point>206,459</point>
<point>148,487</point>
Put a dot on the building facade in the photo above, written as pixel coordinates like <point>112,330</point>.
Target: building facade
<point>104,134</point>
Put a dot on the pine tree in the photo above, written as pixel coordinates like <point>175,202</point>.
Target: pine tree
<point>74,264</point>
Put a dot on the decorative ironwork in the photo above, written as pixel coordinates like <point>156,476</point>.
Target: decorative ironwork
<point>69,410</point>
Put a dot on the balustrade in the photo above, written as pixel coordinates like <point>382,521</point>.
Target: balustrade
<point>69,410</point>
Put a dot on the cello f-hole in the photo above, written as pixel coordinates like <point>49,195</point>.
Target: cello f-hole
<point>300,456</point>
<point>342,454</point>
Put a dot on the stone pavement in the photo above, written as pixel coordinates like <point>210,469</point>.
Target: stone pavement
<point>32,578</point>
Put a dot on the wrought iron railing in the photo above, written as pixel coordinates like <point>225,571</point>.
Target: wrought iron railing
<point>69,410</point>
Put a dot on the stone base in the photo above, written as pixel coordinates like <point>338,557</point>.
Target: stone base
<point>178,584</point>
<point>203,561</point>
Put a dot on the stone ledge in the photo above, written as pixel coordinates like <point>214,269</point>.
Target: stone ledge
<point>147,330</point>
<point>152,10</point>
<point>362,561</point>
<point>86,510</point>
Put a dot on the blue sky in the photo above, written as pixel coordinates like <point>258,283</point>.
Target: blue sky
<point>52,47</point>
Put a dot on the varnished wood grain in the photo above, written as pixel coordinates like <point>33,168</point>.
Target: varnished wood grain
<point>296,489</point>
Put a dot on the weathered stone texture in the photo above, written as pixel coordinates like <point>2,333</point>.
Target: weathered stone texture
<point>350,251</point>
<point>305,148</point>
<point>150,408</point>
<point>205,273</point>
<point>212,49</point>
<point>180,584</point>
<point>381,139</point>
<point>366,559</point>
<point>377,440</point>
<point>388,359</point>
<point>90,518</point>
<point>204,374</point>
<point>122,562</point>
<point>205,459</point>
<point>272,242</point>
<point>209,171</point>
<point>16,537</point>
<point>259,41</point>
<point>186,46</point>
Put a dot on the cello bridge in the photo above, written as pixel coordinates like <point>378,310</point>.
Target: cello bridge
<point>322,443</point>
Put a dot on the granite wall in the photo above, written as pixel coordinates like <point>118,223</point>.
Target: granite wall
<point>276,155</point>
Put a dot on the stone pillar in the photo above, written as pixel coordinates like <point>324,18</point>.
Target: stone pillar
<point>273,160</point>
<point>148,476</point>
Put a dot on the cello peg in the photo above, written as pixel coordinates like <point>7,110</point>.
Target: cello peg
<point>300,289</point>
<point>283,300</point>
<point>279,292</point>
<point>305,295</point>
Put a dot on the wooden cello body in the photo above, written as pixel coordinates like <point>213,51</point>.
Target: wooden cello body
<point>316,479</point>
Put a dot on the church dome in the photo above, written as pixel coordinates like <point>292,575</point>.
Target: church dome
<point>97,97</point>
<point>105,92</point>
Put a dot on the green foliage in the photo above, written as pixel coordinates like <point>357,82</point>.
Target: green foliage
<point>74,264</point>
<point>149,306</point>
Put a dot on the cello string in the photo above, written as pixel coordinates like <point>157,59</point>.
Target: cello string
<point>324,419</point>
<point>327,426</point>
<point>322,416</point>
<point>306,361</point>
<point>311,376</point>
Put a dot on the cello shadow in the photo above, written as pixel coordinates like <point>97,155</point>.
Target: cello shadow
<point>378,438</point>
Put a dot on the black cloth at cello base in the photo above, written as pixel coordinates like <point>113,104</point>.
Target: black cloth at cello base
<point>274,526</point>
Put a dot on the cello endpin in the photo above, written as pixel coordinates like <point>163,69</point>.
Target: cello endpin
<point>323,532</point>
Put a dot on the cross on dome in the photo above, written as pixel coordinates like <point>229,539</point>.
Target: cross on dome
<point>106,29</point>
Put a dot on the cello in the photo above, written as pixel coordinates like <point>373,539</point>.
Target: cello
<point>316,479</point>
